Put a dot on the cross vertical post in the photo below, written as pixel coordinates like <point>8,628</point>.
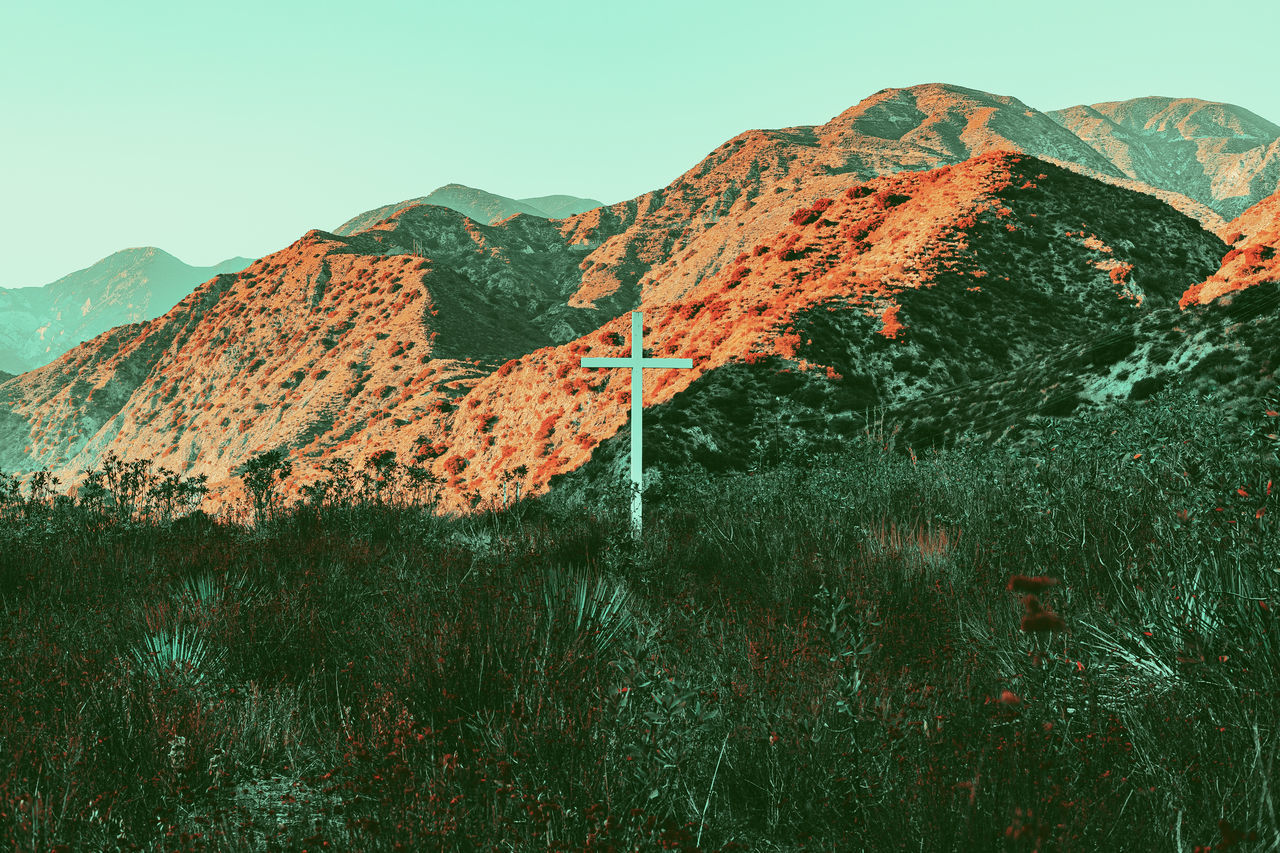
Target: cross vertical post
<point>636,362</point>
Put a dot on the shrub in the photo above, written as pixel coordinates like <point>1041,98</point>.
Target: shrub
<point>808,215</point>
<point>547,428</point>
<point>885,199</point>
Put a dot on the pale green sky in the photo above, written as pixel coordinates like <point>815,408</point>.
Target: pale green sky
<point>231,128</point>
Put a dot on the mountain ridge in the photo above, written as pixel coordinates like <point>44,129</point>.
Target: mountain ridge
<point>482,206</point>
<point>40,323</point>
<point>1220,155</point>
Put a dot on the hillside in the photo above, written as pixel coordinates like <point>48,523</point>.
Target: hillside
<point>987,297</point>
<point>484,207</point>
<point>341,347</point>
<point>1254,258</point>
<point>317,335</point>
<point>38,324</point>
<point>1220,155</point>
<point>746,188</point>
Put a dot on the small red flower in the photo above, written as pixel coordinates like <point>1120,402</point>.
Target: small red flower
<point>1232,836</point>
<point>1022,583</point>
<point>1042,622</point>
<point>1008,697</point>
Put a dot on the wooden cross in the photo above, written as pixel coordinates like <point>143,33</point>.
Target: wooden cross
<point>636,362</point>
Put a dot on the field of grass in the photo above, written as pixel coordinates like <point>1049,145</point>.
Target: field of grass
<point>1070,646</point>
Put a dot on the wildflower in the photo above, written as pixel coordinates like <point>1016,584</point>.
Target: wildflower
<point>1040,621</point>
<point>1022,583</point>
<point>1232,836</point>
<point>1008,697</point>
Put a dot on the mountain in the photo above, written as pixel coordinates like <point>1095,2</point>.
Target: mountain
<point>1220,155</point>
<point>986,294</point>
<point>755,179</point>
<point>466,359</point>
<point>38,324</point>
<point>476,204</point>
<point>560,206</point>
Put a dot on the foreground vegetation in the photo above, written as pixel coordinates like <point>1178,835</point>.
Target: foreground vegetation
<point>1068,647</point>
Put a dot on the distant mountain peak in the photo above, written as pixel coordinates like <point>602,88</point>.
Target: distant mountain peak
<point>135,284</point>
<point>480,205</point>
<point>1190,118</point>
<point>1220,155</point>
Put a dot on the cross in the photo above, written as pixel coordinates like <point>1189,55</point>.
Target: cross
<point>635,363</point>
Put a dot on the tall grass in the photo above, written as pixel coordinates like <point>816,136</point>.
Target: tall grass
<point>859,651</point>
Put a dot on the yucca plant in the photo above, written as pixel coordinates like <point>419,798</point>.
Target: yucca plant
<point>179,653</point>
<point>592,614</point>
<point>203,595</point>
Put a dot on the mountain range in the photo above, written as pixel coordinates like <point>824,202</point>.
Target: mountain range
<point>38,324</point>
<point>946,257</point>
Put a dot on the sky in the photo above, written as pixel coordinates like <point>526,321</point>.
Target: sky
<point>219,129</point>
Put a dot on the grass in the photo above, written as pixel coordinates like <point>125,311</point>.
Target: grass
<point>836,654</point>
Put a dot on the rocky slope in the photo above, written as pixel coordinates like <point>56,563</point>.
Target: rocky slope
<point>1220,155</point>
<point>38,324</point>
<point>483,207</point>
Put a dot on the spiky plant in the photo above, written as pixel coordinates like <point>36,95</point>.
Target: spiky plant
<point>590,613</point>
<point>180,654</point>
